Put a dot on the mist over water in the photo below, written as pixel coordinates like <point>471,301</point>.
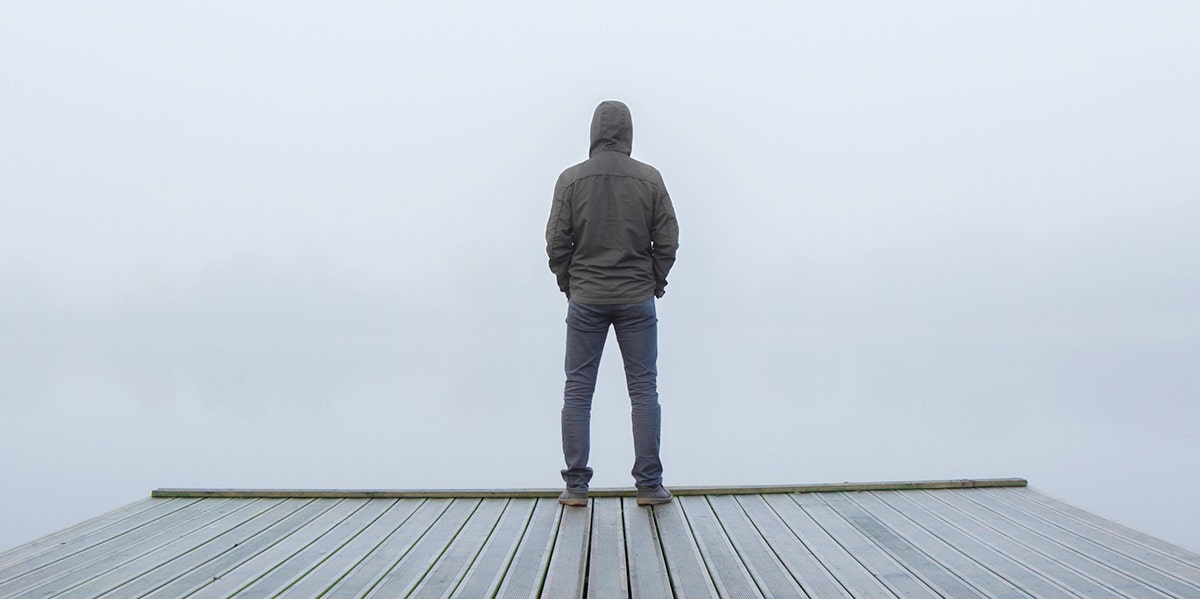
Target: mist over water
<point>240,248</point>
<point>95,425</point>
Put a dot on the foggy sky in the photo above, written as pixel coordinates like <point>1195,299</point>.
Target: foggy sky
<point>913,239</point>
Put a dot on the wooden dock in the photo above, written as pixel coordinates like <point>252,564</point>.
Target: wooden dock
<point>952,539</point>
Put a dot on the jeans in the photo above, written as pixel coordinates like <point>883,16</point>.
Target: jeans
<point>637,336</point>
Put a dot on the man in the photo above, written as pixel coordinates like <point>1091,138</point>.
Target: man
<point>611,240</point>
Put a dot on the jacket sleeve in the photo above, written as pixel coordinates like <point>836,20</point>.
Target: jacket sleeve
<point>664,238</point>
<point>560,239</point>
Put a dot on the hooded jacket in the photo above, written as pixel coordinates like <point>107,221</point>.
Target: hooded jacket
<point>612,233</point>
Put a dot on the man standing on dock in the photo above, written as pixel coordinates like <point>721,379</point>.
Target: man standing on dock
<point>611,240</point>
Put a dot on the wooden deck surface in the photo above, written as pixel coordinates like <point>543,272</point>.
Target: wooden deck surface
<point>954,541</point>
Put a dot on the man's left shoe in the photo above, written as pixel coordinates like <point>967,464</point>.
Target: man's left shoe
<point>656,496</point>
<point>573,498</point>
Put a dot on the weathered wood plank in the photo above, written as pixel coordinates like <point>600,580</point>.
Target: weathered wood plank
<point>648,577</point>
<point>852,575</point>
<point>1079,574</point>
<point>1141,574</point>
<point>54,540</point>
<point>962,529</point>
<point>395,547</point>
<point>184,565</point>
<point>312,555</point>
<point>166,555</point>
<point>954,553</point>
<point>976,540</point>
<point>25,560</point>
<point>246,573</point>
<point>891,573</point>
<point>728,572</point>
<point>770,576</point>
<point>452,567</point>
<point>302,511</point>
<point>608,576</point>
<point>689,576</point>
<point>1168,549</point>
<point>963,538</point>
<point>1110,537</point>
<point>327,573</point>
<point>568,563</point>
<point>904,550</point>
<point>486,574</point>
<point>99,558</point>
<point>792,554</point>
<point>595,492</point>
<point>408,572</point>
<point>527,571</point>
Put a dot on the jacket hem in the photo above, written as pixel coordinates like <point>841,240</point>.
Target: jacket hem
<point>611,300</point>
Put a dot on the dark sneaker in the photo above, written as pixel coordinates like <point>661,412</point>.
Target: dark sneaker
<point>656,496</point>
<point>575,498</point>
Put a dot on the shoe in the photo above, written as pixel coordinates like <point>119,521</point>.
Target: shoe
<point>574,498</point>
<point>654,496</point>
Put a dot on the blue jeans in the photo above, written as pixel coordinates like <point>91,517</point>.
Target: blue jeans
<point>637,335</point>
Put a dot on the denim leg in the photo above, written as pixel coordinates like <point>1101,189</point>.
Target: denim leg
<point>637,335</point>
<point>587,328</point>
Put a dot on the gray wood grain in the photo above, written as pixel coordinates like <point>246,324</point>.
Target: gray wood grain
<point>235,529</point>
<point>225,584</point>
<point>295,512</point>
<point>384,556</point>
<point>568,562</point>
<point>297,565</point>
<point>329,572</point>
<point>608,574</point>
<point>966,539</point>
<point>527,571</point>
<point>1138,572</point>
<point>729,574</point>
<point>165,555</point>
<point>1111,537</point>
<point>408,572</point>
<point>452,567</point>
<point>594,492</point>
<point>690,577</point>
<point>902,549</point>
<point>648,577</point>
<point>99,558</point>
<point>954,556</point>
<point>851,574</point>
<point>814,579</point>
<point>764,566</point>
<point>891,573</point>
<point>181,566</point>
<point>1083,576</point>
<point>488,571</point>
<point>24,560</point>
<point>1170,550</point>
<point>54,540</point>
<point>1014,561</point>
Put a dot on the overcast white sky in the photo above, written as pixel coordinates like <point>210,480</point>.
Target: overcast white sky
<point>300,244</point>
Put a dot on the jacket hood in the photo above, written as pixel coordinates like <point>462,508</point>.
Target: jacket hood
<point>612,129</point>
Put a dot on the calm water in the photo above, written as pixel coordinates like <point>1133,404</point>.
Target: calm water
<point>1108,427</point>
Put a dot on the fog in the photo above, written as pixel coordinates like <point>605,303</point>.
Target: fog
<point>245,245</point>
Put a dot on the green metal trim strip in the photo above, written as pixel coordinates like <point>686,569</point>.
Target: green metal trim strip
<point>513,493</point>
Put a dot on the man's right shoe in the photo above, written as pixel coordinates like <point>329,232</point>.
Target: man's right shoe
<point>573,498</point>
<point>656,496</point>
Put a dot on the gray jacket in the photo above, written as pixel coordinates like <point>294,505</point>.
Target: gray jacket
<point>612,233</point>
